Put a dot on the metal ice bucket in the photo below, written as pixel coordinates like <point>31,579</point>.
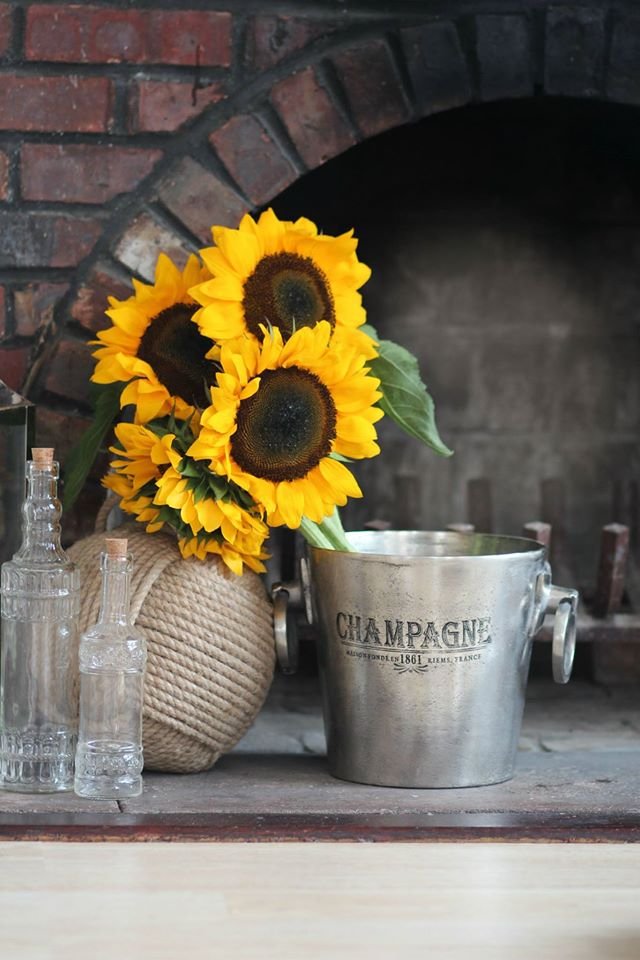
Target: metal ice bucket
<point>425,642</point>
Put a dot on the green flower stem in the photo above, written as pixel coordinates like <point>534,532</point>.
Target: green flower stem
<point>329,535</point>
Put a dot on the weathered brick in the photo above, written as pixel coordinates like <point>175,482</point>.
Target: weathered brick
<point>14,363</point>
<point>34,306</point>
<point>143,241</point>
<point>372,87</point>
<point>574,51</point>
<point>73,239</point>
<point>42,239</point>
<point>69,369</point>
<point>158,105</point>
<point>4,175</point>
<point>314,124</point>
<point>252,158</point>
<point>623,76</point>
<point>504,56</point>
<point>91,301</point>
<point>438,69</point>
<point>56,104</point>
<point>82,173</point>
<point>199,199</point>
<point>5,27</point>
<point>271,39</point>
<point>86,34</point>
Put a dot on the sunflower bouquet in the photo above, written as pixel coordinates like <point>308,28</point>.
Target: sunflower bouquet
<point>245,385</point>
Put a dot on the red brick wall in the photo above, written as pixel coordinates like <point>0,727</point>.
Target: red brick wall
<point>128,131</point>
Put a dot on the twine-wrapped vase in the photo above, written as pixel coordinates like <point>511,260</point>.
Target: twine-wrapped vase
<point>210,647</point>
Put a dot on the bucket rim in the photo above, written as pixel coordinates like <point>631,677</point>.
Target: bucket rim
<point>515,548</point>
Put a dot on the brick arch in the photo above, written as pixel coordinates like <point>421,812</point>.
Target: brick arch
<point>297,92</point>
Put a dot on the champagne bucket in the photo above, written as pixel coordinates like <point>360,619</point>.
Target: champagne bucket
<point>424,648</point>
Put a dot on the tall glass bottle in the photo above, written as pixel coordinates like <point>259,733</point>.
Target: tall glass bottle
<point>38,667</point>
<point>112,663</point>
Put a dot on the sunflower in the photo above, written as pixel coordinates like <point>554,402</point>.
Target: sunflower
<point>141,456</point>
<point>147,477</point>
<point>133,502</point>
<point>155,347</point>
<point>282,414</point>
<point>246,549</point>
<point>281,273</point>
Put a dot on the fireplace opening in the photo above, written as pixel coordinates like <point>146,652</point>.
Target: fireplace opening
<point>504,241</point>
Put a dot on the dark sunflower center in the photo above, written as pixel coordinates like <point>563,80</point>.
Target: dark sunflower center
<point>174,347</point>
<point>286,428</point>
<point>287,291</point>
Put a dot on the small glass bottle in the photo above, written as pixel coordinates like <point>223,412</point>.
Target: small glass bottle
<point>38,666</point>
<point>112,663</point>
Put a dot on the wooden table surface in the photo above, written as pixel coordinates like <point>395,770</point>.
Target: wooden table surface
<point>182,901</point>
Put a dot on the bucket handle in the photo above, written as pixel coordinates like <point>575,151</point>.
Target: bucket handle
<point>563,602</point>
<point>287,599</point>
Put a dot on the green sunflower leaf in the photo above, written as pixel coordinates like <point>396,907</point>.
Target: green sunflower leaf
<point>201,491</point>
<point>218,486</point>
<point>187,468</point>
<point>404,395</point>
<point>80,460</point>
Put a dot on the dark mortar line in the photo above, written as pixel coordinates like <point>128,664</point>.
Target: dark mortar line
<point>102,138</point>
<point>239,30</point>
<point>205,153</point>
<point>270,119</point>
<point>16,45</point>
<point>54,208</point>
<point>9,318</point>
<point>120,108</point>
<point>468,36</point>
<point>331,82</point>
<point>20,276</point>
<point>161,72</point>
<point>609,24</point>
<point>161,214</point>
<point>539,49</point>
<point>398,60</point>
<point>322,9</point>
<point>13,177</point>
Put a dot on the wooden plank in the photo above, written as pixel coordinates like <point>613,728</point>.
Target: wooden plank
<point>553,795</point>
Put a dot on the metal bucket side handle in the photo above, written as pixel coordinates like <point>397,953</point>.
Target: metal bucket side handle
<point>287,599</point>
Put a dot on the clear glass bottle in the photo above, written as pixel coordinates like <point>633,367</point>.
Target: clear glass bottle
<point>112,663</point>
<point>38,667</point>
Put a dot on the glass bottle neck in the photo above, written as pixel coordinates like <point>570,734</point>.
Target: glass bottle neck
<point>116,575</point>
<point>41,513</point>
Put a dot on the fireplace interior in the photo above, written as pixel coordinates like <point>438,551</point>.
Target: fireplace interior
<point>504,241</point>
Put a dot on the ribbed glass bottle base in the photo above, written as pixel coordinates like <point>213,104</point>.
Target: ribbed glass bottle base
<point>108,770</point>
<point>38,760</point>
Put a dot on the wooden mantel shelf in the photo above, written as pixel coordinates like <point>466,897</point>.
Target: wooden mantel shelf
<point>577,778</point>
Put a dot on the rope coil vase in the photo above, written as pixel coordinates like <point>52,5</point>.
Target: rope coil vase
<point>210,647</point>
